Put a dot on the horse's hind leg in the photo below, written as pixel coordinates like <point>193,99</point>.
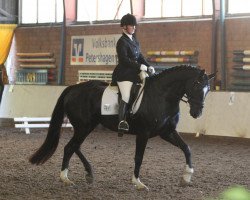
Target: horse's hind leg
<point>89,176</point>
<point>175,139</point>
<point>69,149</point>
<point>72,147</point>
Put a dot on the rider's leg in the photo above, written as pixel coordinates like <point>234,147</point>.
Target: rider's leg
<point>125,88</point>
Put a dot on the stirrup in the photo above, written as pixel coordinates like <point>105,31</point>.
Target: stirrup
<point>123,127</point>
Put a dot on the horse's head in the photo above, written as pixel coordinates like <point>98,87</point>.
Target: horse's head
<point>196,91</point>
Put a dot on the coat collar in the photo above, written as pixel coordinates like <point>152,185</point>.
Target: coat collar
<point>134,42</point>
<point>129,36</point>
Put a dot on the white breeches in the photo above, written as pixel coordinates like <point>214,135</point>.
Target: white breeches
<point>125,88</point>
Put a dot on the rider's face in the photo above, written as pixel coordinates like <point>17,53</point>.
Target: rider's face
<point>129,29</point>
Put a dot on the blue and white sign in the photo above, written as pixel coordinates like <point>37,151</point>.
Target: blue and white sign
<point>94,50</point>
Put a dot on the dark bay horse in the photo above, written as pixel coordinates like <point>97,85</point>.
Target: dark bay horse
<point>158,114</point>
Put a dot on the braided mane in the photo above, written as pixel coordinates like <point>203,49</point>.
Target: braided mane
<point>174,69</point>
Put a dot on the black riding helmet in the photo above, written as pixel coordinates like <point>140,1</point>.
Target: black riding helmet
<point>128,19</point>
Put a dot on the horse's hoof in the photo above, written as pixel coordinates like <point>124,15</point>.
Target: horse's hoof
<point>68,182</point>
<point>142,188</point>
<point>186,178</point>
<point>184,183</point>
<point>138,184</point>
<point>89,178</point>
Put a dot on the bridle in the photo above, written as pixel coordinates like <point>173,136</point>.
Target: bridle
<point>191,100</point>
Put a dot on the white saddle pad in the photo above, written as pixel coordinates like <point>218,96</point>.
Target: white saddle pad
<point>110,101</point>
<point>110,104</point>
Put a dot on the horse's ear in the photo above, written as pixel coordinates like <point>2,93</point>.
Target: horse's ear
<point>211,76</point>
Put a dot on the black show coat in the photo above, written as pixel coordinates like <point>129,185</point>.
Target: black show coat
<point>130,59</point>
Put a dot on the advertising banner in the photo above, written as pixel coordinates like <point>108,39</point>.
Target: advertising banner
<point>94,49</point>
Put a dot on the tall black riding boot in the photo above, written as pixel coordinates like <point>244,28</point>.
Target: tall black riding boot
<point>123,126</point>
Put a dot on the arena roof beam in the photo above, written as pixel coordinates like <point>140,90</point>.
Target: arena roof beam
<point>5,16</point>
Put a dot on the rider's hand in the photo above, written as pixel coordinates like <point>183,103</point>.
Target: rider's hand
<point>151,70</point>
<point>143,68</point>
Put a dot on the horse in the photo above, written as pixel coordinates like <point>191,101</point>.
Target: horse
<point>158,115</point>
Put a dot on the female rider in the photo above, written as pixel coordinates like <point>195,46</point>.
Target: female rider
<point>130,63</point>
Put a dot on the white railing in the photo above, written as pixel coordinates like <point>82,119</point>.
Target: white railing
<point>36,122</point>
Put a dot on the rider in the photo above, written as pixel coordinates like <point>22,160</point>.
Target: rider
<point>130,63</point>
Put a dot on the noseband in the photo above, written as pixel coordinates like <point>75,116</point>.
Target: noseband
<point>192,101</point>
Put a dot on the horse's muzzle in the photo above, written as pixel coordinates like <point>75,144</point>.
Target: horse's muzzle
<point>195,112</point>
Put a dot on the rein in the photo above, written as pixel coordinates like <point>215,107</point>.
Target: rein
<point>137,98</point>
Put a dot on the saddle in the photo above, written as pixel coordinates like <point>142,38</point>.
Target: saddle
<point>112,97</point>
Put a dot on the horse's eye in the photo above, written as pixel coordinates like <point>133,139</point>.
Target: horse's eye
<point>197,85</point>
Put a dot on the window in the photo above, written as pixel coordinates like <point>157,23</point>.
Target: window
<point>238,6</point>
<point>46,11</point>
<point>172,8</point>
<point>41,11</point>
<point>98,10</point>
<point>177,8</point>
<point>153,8</point>
<point>86,13</point>
<point>29,11</point>
<point>51,11</point>
<point>192,7</point>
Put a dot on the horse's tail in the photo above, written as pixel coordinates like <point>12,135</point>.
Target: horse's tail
<point>51,142</point>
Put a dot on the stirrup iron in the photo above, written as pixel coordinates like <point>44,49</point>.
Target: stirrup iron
<point>123,127</point>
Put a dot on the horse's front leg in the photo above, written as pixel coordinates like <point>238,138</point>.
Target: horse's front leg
<point>175,139</point>
<point>141,142</point>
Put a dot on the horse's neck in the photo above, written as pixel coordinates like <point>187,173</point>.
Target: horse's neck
<point>181,75</point>
<point>171,84</point>
<point>173,90</point>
